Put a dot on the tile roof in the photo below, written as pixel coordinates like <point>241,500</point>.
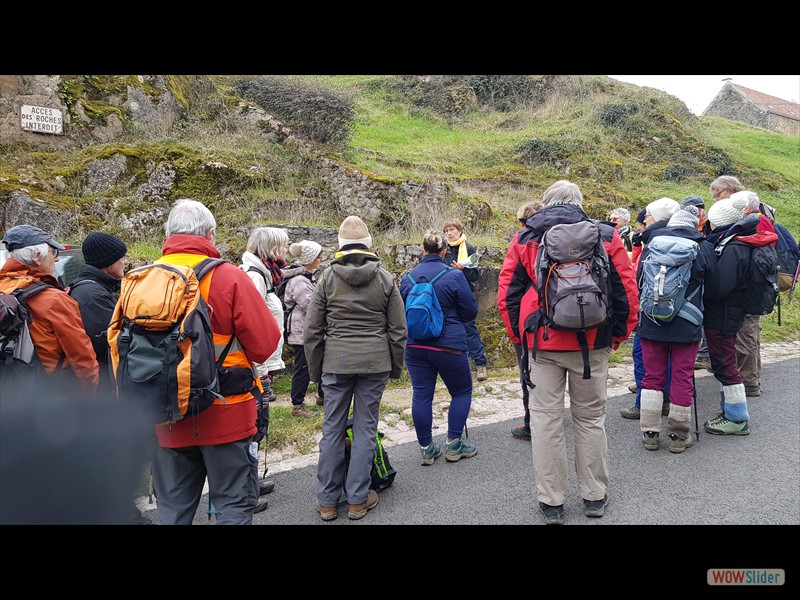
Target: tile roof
<point>771,104</point>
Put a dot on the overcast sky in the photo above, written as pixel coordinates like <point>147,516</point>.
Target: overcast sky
<point>697,91</point>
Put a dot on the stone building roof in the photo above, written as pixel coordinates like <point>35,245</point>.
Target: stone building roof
<point>771,104</point>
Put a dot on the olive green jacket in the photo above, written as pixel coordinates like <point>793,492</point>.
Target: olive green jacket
<point>356,322</point>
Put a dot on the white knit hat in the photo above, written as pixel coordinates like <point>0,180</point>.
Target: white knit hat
<point>685,216</point>
<point>354,231</point>
<point>309,251</point>
<point>725,212</point>
<point>662,209</point>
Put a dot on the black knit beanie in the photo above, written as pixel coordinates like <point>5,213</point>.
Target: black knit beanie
<point>101,249</point>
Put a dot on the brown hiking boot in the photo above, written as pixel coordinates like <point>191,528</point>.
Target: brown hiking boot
<point>702,362</point>
<point>328,513</point>
<point>357,511</point>
<point>480,373</point>
<point>299,410</point>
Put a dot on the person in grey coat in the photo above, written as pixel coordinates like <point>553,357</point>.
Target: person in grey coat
<point>354,339</point>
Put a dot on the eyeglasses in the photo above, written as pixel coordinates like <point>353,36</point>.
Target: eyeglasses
<point>54,251</point>
<point>717,194</point>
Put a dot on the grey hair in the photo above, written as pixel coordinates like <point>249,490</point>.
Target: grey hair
<point>562,192</point>
<point>29,254</point>
<point>620,212</point>
<point>263,239</point>
<point>726,182</point>
<point>189,217</point>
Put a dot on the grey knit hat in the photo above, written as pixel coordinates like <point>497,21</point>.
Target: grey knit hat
<point>685,216</point>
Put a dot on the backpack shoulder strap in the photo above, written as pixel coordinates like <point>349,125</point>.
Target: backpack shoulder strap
<point>252,269</point>
<point>411,279</point>
<point>440,274</point>
<point>71,287</point>
<point>202,268</point>
<point>22,294</point>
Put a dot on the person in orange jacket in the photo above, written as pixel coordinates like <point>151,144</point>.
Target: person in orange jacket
<point>56,329</point>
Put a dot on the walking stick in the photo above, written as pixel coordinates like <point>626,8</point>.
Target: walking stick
<point>794,283</point>
<point>694,401</point>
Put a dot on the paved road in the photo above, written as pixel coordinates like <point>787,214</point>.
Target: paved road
<point>722,480</point>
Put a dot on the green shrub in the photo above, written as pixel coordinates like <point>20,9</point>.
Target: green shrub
<point>541,152</point>
<point>322,113</point>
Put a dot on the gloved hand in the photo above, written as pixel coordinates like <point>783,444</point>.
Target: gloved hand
<point>636,239</point>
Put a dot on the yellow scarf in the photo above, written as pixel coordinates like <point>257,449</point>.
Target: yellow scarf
<point>462,248</point>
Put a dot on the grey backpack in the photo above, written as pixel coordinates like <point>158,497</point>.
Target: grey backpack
<point>573,283</point>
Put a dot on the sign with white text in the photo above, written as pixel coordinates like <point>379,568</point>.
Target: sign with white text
<point>41,119</point>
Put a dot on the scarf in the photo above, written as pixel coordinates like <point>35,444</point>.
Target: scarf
<point>462,248</point>
<point>275,269</point>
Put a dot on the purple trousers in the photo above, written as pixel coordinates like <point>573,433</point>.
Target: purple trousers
<point>680,356</point>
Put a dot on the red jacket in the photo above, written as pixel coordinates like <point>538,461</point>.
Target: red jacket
<point>517,297</point>
<point>237,309</point>
<point>56,328</point>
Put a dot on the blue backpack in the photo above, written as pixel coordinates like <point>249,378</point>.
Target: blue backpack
<point>424,316</point>
<point>665,276</point>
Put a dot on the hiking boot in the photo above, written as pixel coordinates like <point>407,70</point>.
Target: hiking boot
<point>521,432</point>
<point>632,388</point>
<point>677,445</point>
<point>723,426</point>
<point>480,373</point>
<point>265,487</point>
<point>702,362</point>
<point>299,410</point>
<point>261,505</point>
<point>320,400</point>
<point>327,513</point>
<point>595,508</point>
<point>458,449</point>
<point>553,515</point>
<point>634,412</point>
<point>430,453</point>
<point>357,511</point>
<point>752,391</point>
<point>650,440</point>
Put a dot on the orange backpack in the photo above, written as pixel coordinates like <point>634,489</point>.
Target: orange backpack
<point>161,343</point>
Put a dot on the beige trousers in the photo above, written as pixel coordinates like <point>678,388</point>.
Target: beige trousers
<point>748,350</point>
<point>552,372</point>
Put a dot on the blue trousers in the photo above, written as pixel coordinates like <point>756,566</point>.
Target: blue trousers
<point>638,371</point>
<point>475,344</point>
<point>423,368</point>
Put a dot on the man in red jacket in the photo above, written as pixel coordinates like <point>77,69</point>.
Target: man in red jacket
<point>559,358</point>
<point>217,443</point>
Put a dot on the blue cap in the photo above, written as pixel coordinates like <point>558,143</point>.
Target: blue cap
<point>22,236</point>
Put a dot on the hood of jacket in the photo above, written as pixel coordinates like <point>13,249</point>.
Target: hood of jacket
<point>556,215</point>
<point>183,243</point>
<point>356,267</point>
<point>684,231</point>
<point>648,233</point>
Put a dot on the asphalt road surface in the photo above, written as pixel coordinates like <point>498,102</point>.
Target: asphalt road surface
<point>722,480</point>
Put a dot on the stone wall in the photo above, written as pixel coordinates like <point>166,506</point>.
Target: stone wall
<point>732,104</point>
<point>783,125</point>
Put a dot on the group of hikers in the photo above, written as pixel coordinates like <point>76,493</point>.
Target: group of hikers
<point>352,328</point>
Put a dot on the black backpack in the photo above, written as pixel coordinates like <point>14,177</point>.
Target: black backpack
<point>280,292</point>
<point>761,293</point>
<point>382,473</point>
<point>19,363</point>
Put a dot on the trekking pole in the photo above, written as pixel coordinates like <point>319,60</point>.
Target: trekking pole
<point>694,401</point>
<point>794,283</point>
